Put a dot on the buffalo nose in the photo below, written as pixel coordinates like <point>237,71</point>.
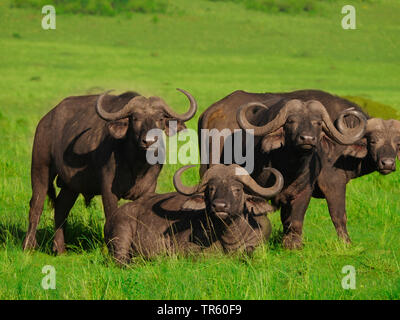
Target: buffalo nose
<point>219,205</point>
<point>307,139</point>
<point>387,163</point>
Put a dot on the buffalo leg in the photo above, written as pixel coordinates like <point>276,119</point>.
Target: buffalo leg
<point>64,202</point>
<point>40,185</point>
<point>110,203</point>
<point>292,217</point>
<point>118,236</point>
<point>41,180</point>
<point>120,248</point>
<point>336,198</point>
<point>109,199</point>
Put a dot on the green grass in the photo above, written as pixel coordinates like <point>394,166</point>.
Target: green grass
<point>287,6</point>
<point>97,7</point>
<point>210,49</point>
<point>375,109</point>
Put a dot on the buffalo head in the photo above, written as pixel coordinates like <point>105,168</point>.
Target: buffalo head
<point>381,143</point>
<point>301,125</point>
<point>225,191</point>
<point>142,114</point>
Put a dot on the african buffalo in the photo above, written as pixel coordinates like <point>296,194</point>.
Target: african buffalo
<point>96,145</point>
<point>290,134</point>
<point>376,151</point>
<point>226,210</point>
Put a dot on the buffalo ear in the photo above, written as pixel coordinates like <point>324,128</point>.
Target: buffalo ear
<point>257,206</point>
<point>195,203</point>
<point>273,141</point>
<point>172,126</point>
<point>357,150</point>
<point>118,128</point>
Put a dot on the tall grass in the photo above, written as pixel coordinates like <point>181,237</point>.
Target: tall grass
<point>289,6</point>
<point>274,6</point>
<point>97,7</point>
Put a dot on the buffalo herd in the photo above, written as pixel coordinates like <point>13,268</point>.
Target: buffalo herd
<point>307,143</point>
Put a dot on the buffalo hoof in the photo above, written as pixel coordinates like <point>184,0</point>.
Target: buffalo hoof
<point>249,251</point>
<point>292,242</point>
<point>29,243</point>
<point>121,261</point>
<point>59,248</point>
<point>345,238</point>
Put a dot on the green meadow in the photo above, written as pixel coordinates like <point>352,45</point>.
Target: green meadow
<point>209,48</point>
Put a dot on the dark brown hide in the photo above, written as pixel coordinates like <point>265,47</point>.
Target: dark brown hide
<point>219,214</point>
<point>93,152</point>
<point>295,145</point>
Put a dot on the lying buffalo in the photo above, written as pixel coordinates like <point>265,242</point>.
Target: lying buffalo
<point>290,135</point>
<point>226,210</point>
<point>96,145</point>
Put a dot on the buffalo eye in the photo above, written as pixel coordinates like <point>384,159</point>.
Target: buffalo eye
<point>211,189</point>
<point>236,190</point>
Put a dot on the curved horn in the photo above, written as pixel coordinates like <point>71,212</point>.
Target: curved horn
<point>271,126</point>
<point>112,116</point>
<point>189,114</point>
<point>344,136</point>
<point>259,190</point>
<point>343,128</point>
<point>186,190</point>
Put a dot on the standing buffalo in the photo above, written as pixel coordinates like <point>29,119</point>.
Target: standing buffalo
<point>96,145</point>
<point>226,210</point>
<point>376,151</point>
<point>290,135</point>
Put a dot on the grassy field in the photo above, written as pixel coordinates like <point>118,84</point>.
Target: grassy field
<point>210,49</point>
